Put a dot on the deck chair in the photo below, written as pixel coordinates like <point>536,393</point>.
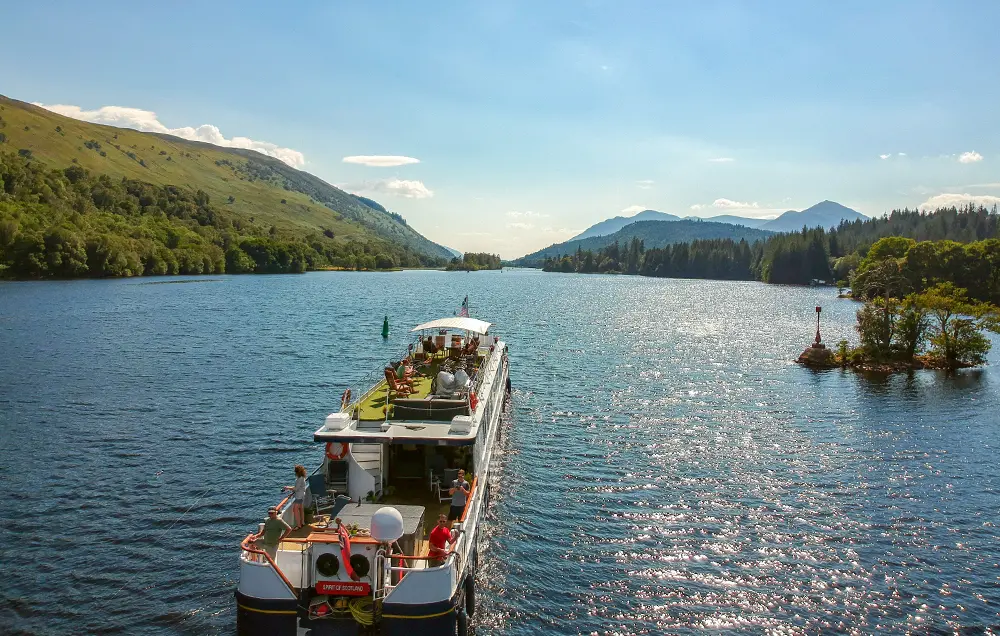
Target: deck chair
<point>396,388</point>
<point>321,498</point>
<point>435,471</point>
<point>450,475</point>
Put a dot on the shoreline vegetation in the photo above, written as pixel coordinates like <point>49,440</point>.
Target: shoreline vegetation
<point>798,258</point>
<point>475,261</point>
<point>69,223</point>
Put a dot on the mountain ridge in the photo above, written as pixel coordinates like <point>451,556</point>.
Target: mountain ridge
<point>825,214</point>
<point>255,186</point>
<point>652,233</point>
<point>612,225</point>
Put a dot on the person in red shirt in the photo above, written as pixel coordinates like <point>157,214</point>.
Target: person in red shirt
<point>440,539</point>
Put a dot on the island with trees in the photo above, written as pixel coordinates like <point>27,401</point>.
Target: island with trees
<point>475,261</point>
<point>926,305</point>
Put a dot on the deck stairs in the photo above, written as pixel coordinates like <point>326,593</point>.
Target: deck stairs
<point>369,457</point>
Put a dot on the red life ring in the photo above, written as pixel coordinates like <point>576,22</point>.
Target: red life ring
<point>333,453</point>
<point>473,400</point>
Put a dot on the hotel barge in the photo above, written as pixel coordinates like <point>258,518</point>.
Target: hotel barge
<point>361,564</point>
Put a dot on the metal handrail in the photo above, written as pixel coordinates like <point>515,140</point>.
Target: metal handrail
<point>245,545</point>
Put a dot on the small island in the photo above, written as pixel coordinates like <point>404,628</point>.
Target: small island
<point>914,316</point>
<point>474,261</point>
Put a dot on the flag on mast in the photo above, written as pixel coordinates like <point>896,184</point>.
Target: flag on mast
<point>464,311</point>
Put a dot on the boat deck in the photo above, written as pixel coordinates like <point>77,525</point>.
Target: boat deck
<point>372,407</point>
<point>408,492</point>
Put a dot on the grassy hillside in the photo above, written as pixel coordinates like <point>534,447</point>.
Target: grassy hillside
<point>252,186</point>
<point>653,234</point>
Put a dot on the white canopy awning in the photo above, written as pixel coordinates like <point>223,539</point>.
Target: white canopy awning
<point>457,322</point>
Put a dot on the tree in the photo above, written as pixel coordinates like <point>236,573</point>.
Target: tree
<point>384,261</point>
<point>890,247</point>
<point>875,328</point>
<point>879,278</point>
<point>238,261</point>
<point>957,325</point>
<point>910,329</point>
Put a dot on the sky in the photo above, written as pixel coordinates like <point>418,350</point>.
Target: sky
<point>508,126</point>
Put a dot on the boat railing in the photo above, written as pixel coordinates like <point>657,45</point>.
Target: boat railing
<point>477,382</point>
<point>451,558</point>
<point>367,385</point>
<point>384,565</point>
<point>253,554</point>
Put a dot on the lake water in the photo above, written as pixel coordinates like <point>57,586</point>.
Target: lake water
<point>666,468</point>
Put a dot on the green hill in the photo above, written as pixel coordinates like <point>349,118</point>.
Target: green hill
<point>252,188</point>
<point>653,234</point>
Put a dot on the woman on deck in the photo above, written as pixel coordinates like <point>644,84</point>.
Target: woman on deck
<point>299,496</point>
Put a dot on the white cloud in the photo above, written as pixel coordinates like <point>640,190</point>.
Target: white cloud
<point>958,200</point>
<point>726,204</point>
<point>721,160</point>
<point>645,184</point>
<point>527,215</point>
<point>520,226</point>
<point>884,156</point>
<point>970,157</point>
<point>146,121</point>
<point>381,161</point>
<point>901,154</point>
<point>634,209</point>
<point>987,186</point>
<point>406,188</point>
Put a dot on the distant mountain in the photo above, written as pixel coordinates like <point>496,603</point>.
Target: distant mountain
<point>825,214</point>
<point>732,220</point>
<point>610,226</point>
<point>652,234</point>
<point>454,253</point>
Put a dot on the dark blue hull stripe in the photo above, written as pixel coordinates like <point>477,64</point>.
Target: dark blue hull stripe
<point>427,610</point>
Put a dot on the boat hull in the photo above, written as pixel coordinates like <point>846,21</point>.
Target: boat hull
<point>432,619</point>
<point>261,617</point>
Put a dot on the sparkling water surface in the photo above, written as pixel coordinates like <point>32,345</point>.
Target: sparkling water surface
<point>666,468</point>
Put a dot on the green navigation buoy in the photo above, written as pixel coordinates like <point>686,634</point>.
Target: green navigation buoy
<point>385,327</point>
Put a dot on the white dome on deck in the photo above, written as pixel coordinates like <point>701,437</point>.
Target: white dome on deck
<point>387,524</point>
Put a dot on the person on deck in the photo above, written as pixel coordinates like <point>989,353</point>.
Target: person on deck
<point>472,347</point>
<point>404,371</point>
<point>440,539</point>
<point>298,496</point>
<point>429,346</point>
<point>274,529</point>
<point>390,370</point>
<point>460,491</point>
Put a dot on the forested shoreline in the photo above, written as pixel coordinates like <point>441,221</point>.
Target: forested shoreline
<point>69,223</point>
<point>799,257</point>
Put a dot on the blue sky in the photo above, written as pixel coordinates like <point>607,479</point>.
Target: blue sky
<point>533,120</point>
